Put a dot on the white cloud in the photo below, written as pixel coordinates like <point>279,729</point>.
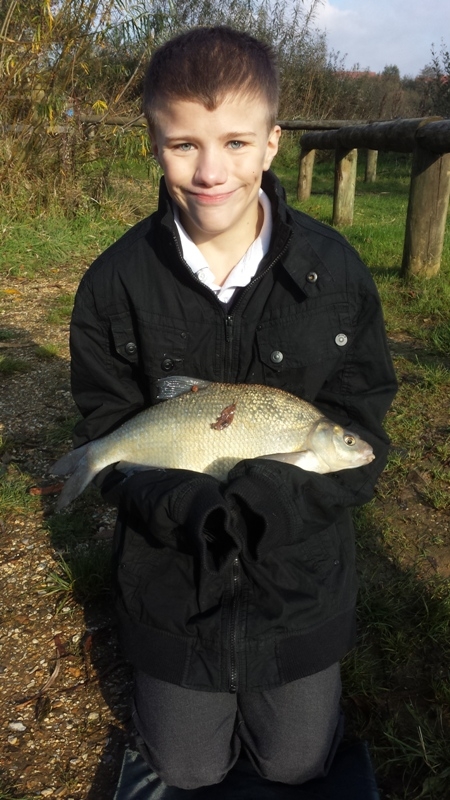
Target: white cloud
<point>374,33</point>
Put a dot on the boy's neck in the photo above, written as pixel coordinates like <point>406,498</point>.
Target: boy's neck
<point>224,250</point>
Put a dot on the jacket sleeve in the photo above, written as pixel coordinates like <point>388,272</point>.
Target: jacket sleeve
<point>106,388</point>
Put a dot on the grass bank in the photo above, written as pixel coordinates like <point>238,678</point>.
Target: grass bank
<point>396,683</point>
<point>397,686</point>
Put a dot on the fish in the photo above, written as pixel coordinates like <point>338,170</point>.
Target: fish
<point>209,427</point>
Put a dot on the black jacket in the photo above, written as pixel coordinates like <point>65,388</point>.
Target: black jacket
<point>249,584</point>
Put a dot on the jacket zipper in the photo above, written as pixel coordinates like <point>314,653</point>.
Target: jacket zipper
<point>229,319</point>
<point>233,662</point>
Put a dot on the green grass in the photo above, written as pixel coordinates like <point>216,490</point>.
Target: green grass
<point>6,335</point>
<point>40,239</point>
<point>396,682</point>
<point>14,492</point>
<point>9,365</point>
<point>47,351</point>
<point>82,574</point>
<point>62,430</point>
<point>8,792</point>
<point>34,245</point>
<point>60,309</point>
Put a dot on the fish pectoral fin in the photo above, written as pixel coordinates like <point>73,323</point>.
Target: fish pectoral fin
<point>306,459</point>
<point>128,467</point>
<point>178,384</point>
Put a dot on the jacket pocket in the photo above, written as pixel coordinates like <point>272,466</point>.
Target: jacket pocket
<point>320,554</point>
<point>136,572</point>
<point>314,338</point>
<point>158,345</point>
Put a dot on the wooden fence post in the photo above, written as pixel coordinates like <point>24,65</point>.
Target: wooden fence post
<point>344,186</point>
<point>371,166</point>
<point>305,174</point>
<point>427,213</point>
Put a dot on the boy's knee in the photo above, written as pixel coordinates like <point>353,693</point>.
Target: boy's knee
<point>188,776</point>
<point>175,772</point>
<point>293,771</point>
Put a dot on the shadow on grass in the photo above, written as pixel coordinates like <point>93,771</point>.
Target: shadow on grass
<point>35,434</point>
<point>395,681</point>
<point>396,692</point>
<point>87,573</point>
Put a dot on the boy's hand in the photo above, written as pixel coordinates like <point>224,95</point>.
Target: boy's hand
<point>180,505</point>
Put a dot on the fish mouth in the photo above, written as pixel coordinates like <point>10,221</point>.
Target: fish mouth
<point>367,457</point>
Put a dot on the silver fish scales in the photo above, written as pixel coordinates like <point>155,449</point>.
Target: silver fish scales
<point>209,427</point>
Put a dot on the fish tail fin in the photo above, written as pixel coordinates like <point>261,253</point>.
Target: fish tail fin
<point>76,464</point>
<point>67,464</point>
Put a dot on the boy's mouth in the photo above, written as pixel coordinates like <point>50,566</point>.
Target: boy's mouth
<point>211,199</point>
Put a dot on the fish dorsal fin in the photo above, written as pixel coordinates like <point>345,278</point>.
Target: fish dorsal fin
<point>178,384</point>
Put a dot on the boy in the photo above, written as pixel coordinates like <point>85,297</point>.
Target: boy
<point>235,600</point>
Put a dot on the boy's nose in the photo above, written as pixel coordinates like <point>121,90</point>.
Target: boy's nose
<point>210,169</point>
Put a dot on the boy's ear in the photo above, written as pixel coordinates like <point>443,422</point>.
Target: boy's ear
<point>272,146</point>
<point>153,143</point>
<point>154,149</point>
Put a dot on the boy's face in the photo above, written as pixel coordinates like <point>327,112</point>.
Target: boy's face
<point>213,163</point>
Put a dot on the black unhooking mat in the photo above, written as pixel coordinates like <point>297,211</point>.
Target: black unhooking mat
<point>351,777</point>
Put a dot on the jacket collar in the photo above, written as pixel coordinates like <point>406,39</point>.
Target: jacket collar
<point>301,261</point>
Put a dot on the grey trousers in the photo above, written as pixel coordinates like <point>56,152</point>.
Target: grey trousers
<point>192,739</point>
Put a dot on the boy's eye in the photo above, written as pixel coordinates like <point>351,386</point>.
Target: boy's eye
<point>184,146</point>
<point>235,144</point>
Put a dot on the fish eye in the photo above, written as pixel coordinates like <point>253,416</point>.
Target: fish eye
<point>349,439</point>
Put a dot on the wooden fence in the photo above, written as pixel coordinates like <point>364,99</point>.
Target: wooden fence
<point>428,139</point>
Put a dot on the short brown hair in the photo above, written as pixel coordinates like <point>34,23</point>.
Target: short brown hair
<point>206,64</point>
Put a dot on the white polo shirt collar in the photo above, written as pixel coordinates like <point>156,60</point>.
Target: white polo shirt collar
<point>243,271</point>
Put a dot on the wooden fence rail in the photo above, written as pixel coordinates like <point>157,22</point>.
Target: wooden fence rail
<point>428,139</point>
<point>139,122</point>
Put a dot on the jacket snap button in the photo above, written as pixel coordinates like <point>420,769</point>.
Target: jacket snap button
<point>276,357</point>
<point>341,339</point>
<point>311,277</point>
<point>130,348</point>
<point>167,364</point>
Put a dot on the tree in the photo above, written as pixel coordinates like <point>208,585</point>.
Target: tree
<point>62,58</point>
<point>434,81</point>
<point>391,71</point>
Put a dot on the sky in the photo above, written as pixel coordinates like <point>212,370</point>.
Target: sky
<point>374,33</point>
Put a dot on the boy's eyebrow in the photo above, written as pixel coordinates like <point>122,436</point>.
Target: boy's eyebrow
<point>237,134</point>
<point>231,135</point>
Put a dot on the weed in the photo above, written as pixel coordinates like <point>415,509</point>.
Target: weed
<point>8,790</point>
<point>9,365</point>
<point>70,529</point>
<point>14,492</point>
<point>60,310</point>
<point>440,338</point>
<point>47,351</point>
<point>6,335</point>
<point>83,574</point>
<point>438,494</point>
<point>62,431</point>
